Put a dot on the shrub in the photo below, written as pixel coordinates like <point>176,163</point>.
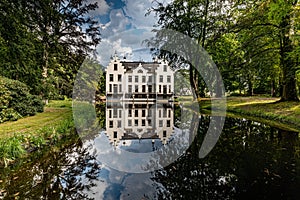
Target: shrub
<point>10,149</point>
<point>16,100</point>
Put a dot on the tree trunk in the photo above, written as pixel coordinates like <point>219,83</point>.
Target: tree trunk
<point>193,74</point>
<point>273,94</point>
<point>250,87</point>
<point>288,66</point>
<point>289,90</point>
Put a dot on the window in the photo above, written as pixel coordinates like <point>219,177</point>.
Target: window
<point>111,124</point>
<point>165,68</point>
<point>116,67</point>
<point>165,89</point>
<point>169,113</point>
<point>159,89</point>
<point>111,77</point>
<point>150,113</point>
<point>130,88</point>
<point>143,122</point>
<point>143,113</point>
<point>119,123</point>
<point>119,77</point>
<point>168,123</point>
<point>169,79</point>
<point>129,113</point>
<point>129,79</point>
<point>165,113</point>
<point>136,113</point>
<point>140,71</point>
<point>120,88</point>
<point>110,88</point>
<point>170,89</point>
<point>159,113</point>
<point>149,122</point>
<point>160,123</point>
<point>136,122</point>
<point>110,113</point>
<point>136,88</point>
<point>115,88</point>
<point>129,122</point>
<point>164,133</point>
<point>115,113</point>
<point>144,79</point>
<point>161,78</point>
<point>143,88</point>
<point>136,79</point>
<point>150,88</point>
<point>120,113</point>
<point>115,134</point>
<point>150,79</point>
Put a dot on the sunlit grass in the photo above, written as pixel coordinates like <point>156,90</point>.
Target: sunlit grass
<point>43,129</point>
<point>262,107</point>
<point>55,112</point>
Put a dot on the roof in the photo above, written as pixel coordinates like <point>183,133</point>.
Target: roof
<point>149,66</point>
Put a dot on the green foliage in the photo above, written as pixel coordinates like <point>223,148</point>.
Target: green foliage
<point>16,146</point>
<point>255,44</point>
<point>16,101</point>
<point>43,35</point>
<point>11,149</point>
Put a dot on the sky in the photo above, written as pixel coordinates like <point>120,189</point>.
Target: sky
<point>124,27</point>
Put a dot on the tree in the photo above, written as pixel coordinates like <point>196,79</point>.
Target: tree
<point>19,48</point>
<point>65,30</point>
<point>202,20</point>
<point>44,42</point>
<point>270,32</point>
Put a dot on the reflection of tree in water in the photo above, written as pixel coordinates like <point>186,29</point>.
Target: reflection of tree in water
<point>100,113</point>
<point>250,161</point>
<point>67,174</point>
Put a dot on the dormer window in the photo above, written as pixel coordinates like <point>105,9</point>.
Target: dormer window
<point>165,68</point>
<point>116,67</point>
<point>140,71</point>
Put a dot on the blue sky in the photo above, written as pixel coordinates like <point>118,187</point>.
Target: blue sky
<point>124,28</point>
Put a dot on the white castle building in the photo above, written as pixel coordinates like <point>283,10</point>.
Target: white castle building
<point>138,100</point>
<point>139,81</point>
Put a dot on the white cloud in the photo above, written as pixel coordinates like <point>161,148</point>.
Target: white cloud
<point>129,43</point>
<point>127,28</point>
<point>108,47</point>
<point>118,23</point>
<point>103,8</point>
<point>136,10</point>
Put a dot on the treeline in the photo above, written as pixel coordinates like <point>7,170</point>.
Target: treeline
<point>255,44</point>
<point>44,42</point>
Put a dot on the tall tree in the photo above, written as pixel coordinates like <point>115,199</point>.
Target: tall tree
<point>19,48</point>
<point>65,30</point>
<point>46,39</point>
<point>202,20</point>
<point>269,30</point>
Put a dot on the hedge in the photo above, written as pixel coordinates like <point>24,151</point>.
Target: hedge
<point>16,101</point>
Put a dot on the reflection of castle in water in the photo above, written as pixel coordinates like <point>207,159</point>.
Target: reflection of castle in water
<point>139,98</point>
<point>127,121</point>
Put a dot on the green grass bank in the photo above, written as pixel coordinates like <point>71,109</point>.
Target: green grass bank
<point>19,138</point>
<point>285,115</point>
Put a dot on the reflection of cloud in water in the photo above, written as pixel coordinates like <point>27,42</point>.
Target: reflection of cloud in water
<point>140,162</point>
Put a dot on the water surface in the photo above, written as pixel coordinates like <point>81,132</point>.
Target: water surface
<point>250,161</point>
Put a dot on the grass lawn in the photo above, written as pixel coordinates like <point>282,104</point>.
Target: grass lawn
<point>283,114</point>
<point>54,113</point>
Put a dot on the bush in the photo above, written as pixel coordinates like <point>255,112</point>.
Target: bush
<point>16,100</point>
